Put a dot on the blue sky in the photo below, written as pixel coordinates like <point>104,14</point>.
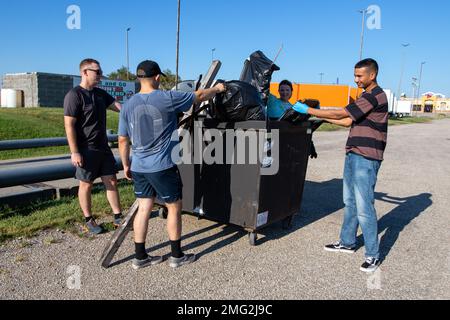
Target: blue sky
<point>321,36</point>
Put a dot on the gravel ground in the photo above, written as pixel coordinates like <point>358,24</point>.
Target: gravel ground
<point>412,204</point>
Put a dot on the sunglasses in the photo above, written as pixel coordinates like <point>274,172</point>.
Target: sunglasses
<point>99,72</point>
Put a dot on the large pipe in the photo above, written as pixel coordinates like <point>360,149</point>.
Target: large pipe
<point>21,176</point>
<point>40,143</point>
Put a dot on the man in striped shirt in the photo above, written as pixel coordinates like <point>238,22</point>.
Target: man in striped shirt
<point>368,119</point>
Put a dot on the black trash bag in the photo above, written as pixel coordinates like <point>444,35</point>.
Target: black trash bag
<point>294,117</point>
<point>240,102</point>
<point>312,152</point>
<point>258,70</point>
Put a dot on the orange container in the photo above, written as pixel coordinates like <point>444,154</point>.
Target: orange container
<point>328,95</point>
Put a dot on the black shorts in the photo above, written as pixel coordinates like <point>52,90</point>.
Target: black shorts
<point>96,164</point>
<point>166,185</point>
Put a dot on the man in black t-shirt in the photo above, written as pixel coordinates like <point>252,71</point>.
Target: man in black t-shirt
<point>85,123</point>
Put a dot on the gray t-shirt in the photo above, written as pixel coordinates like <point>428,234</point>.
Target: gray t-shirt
<point>150,120</point>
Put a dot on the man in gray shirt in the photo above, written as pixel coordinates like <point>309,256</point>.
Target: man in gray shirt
<point>148,120</point>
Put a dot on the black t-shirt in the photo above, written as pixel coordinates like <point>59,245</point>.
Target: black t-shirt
<point>89,108</point>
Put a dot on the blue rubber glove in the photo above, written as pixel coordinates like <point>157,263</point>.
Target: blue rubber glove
<point>300,108</point>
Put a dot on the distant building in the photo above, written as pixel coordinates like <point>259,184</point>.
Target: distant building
<point>48,90</point>
<point>431,102</point>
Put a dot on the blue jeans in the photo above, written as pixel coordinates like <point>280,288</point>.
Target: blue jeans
<point>360,178</point>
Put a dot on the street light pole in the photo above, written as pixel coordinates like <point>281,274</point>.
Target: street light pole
<point>420,80</point>
<point>128,57</point>
<point>363,25</point>
<point>362,32</point>
<point>414,87</point>
<point>404,45</point>
<point>178,45</point>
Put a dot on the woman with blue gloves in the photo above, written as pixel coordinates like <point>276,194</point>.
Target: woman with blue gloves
<point>277,107</point>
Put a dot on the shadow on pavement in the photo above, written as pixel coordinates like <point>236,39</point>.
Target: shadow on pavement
<point>395,221</point>
<point>319,200</point>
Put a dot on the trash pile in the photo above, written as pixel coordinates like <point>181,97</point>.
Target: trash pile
<point>246,99</point>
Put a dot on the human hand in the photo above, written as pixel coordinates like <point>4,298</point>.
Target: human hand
<point>127,172</point>
<point>300,108</point>
<point>220,87</point>
<point>312,103</point>
<point>77,159</point>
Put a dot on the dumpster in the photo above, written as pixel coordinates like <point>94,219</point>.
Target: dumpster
<point>244,194</point>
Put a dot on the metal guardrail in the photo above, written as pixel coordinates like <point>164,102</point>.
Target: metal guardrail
<point>21,176</point>
<point>40,143</point>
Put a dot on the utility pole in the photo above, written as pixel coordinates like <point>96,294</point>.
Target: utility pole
<point>128,57</point>
<point>212,54</point>
<point>363,12</point>
<point>404,45</point>
<point>420,81</point>
<point>178,45</point>
<point>321,77</point>
<point>363,26</point>
<point>414,85</point>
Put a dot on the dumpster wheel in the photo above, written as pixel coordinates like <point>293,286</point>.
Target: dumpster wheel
<point>162,212</point>
<point>252,238</point>
<point>287,223</point>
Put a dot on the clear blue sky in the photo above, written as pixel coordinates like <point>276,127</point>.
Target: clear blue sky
<point>318,36</point>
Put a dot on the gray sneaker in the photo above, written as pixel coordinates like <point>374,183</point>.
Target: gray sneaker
<point>118,222</point>
<point>93,227</point>
<point>178,262</point>
<point>150,261</point>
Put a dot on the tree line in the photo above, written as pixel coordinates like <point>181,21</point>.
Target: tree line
<point>167,83</point>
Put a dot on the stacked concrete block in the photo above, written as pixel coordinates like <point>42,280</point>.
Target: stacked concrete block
<point>26,82</point>
<point>40,89</point>
<point>52,89</point>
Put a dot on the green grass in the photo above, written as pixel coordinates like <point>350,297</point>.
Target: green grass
<point>410,120</point>
<point>32,123</point>
<point>64,214</point>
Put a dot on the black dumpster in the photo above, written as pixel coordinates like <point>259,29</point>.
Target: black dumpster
<point>250,195</point>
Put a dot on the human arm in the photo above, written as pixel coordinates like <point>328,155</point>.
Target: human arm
<point>346,122</point>
<point>71,133</point>
<point>115,106</point>
<point>124,143</point>
<point>207,94</point>
<point>124,150</point>
<point>355,111</point>
<point>332,114</point>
